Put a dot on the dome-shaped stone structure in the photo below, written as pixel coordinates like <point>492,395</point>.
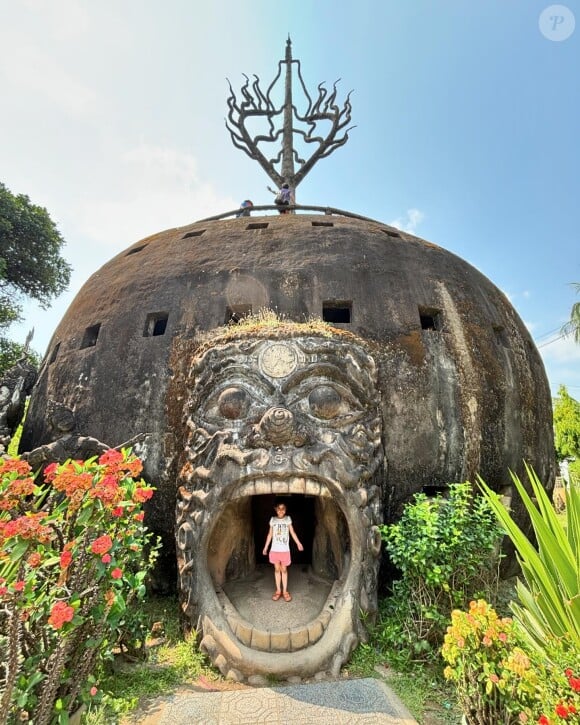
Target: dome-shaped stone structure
<point>454,381</point>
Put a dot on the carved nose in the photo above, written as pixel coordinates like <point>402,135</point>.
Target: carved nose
<point>277,425</point>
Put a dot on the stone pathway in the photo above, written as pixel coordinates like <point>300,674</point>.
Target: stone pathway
<point>352,702</point>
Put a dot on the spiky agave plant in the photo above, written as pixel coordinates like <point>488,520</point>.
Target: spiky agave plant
<point>549,597</point>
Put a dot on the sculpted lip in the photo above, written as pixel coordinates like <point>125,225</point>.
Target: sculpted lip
<point>282,639</point>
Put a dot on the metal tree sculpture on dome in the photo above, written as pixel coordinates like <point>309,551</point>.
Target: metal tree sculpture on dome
<point>260,106</point>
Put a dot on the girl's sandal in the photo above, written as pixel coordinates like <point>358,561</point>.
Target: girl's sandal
<point>287,597</point>
<point>276,596</point>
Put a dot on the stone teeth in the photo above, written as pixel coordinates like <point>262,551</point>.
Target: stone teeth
<point>280,641</point>
<point>312,488</point>
<point>286,640</point>
<point>247,489</point>
<point>280,487</point>
<point>263,487</point>
<point>296,485</point>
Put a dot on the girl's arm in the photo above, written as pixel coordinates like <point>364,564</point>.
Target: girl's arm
<point>268,540</point>
<point>296,539</point>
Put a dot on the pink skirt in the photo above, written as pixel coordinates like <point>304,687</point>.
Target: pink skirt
<point>280,557</point>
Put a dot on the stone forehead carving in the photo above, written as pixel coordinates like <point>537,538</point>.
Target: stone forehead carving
<point>293,416</point>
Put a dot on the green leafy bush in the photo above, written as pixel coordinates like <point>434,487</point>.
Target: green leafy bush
<point>447,551</point>
<point>73,563</point>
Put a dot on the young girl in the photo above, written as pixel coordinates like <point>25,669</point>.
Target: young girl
<point>279,534</point>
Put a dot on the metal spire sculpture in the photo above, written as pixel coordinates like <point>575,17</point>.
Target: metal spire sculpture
<point>258,106</point>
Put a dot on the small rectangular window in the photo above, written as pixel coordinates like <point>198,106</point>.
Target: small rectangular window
<point>236,313</point>
<point>197,233</point>
<point>54,353</point>
<point>258,225</point>
<point>430,318</point>
<point>337,312</point>
<point>136,249</point>
<point>91,335</point>
<point>155,324</point>
<point>322,224</point>
<point>500,335</point>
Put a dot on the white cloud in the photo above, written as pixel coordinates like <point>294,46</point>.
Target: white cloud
<point>156,188</point>
<point>409,222</point>
<point>561,350</point>
<point>562,362</point>
<point>61,19</point>
<point>35,74</point>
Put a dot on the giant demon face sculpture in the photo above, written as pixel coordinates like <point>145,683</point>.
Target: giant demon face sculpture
<point>294,417</point>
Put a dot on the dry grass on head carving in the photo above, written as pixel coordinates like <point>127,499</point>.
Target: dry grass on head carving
<point>268,323</point>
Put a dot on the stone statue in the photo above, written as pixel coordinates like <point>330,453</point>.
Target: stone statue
<point>296,417</point>
<point>15,386</point>
<point>67,442</point>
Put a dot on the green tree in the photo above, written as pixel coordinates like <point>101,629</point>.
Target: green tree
<point>30,263</point>
<point>572,327</point>
<point>566,424</point>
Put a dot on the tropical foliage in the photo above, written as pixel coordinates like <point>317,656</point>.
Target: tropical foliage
<point>572,327</point>
<point>566,425</point>
<point>30,263</point>
<point>74,560</point>
<point>549,597</point>
<point>446,549</point>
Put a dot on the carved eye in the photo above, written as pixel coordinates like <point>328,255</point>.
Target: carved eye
<point>233,403</point>
<point>325,402</point>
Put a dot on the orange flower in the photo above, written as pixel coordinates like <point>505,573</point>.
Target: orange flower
<point>65,559</point>
<point>59,614</point>
<point>34,560</point>
<point>117,573</point>
<point>142,494</point>
<point>14,465</point>
<point>22,487</point>
<point>102,544</point>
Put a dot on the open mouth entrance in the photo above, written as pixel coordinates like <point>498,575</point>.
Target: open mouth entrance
<point>240,570</point>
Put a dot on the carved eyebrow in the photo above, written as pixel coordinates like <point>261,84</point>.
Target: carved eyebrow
<point>237,374</point>
<point>329,370</point>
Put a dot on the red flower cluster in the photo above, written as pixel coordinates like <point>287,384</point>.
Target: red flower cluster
<point>564,709</point>
<point>59,614</point>
<point>65,559</point>
<point>141,494</point>
<point>102,544</point>
<point>115,463</point>
<point>573,681</point>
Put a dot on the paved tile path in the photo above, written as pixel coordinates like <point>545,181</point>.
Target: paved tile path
<point>356,702</point>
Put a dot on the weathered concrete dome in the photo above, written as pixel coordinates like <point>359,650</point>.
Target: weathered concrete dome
<point>462,387</point>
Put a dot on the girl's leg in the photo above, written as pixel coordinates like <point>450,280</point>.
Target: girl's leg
<point>284,576</point>
<point>278,576</point>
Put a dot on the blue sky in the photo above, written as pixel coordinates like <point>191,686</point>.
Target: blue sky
<point>467,120</point>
